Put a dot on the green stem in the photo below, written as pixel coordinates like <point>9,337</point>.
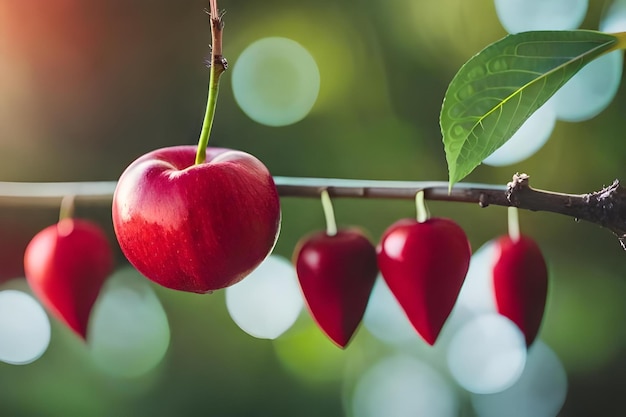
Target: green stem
<point>211,105</point>
<point>66,211</point>
<point>329,214</point>
<point>420,206</point>
<point>514,229</point>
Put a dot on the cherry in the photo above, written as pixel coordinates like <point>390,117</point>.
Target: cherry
<point>196,227</point>
<point>336,275</point>
<point>520,283</point>
<point>65,265</point>
<point>424,264</point>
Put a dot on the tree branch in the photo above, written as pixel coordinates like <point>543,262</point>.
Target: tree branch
<point>606,207</point>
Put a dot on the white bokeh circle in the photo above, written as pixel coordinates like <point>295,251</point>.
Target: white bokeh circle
<point>24,328</point>
<point>539,392</point>
<point>614,18</point>
<point>487,354</point>
<point>276,81</point>
<point>591,90</point>
<point>524,15</point>
<point>267,302</point>
<point>403,386</point>
<point>385,319</point>
<point>129,333</point>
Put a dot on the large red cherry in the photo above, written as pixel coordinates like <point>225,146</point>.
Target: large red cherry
<point>424,264</point>
<point>196,227</point>
<point>336,274</point>
<point>520,283</point>
<point>65,265</point>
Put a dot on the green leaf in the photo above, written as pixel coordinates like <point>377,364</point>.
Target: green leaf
<point>494,93</point>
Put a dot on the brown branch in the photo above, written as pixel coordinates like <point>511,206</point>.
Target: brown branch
<point>606,207</point>
<point>217,26</point>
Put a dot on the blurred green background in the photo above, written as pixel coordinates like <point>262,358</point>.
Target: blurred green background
<point>88,86</point>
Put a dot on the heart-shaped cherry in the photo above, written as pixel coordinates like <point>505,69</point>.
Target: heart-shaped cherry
<point>196,227</point>
<point>336,274</point>
<point>65,265</point>
<point>424,264</point>
<point>520,283</point>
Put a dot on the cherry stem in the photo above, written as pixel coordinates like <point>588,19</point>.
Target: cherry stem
<point>66,211</point>
<point>514,229</point>
<point>420,206</point>
<point>329,213</point>
<point>217,66</point>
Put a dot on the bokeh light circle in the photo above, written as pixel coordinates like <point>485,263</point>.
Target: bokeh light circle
<point>477,290</point>
<point>402,386</point>
<point>614,18</point>
<point>268,301</point>
<point>129,332</point>
<point>385,319</point>
<point>276,81</point>
<point>487,354</point>
<point>539,392</point>
<point>523,15</point>
<point>24,328</point>
<point>591,90</point>
<point>476,296</point>
<point>528,139</point>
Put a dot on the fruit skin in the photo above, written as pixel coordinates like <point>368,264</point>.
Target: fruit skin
<point>336,275</point>
<point>520,283</point>
<point>424,265</point>
<point>65,265</point>
<point>196,228</point>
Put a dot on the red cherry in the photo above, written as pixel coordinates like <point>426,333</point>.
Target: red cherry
<point>336,275</point>
<point>196,227</point>
<point>424,264</point>
<point>65,265</point>
<point>520,283</point>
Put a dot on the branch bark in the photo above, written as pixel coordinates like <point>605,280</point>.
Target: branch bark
<point>606,207</point>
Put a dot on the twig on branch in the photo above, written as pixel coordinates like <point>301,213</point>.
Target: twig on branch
<point>217,26</point>
<point>606,207</point>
